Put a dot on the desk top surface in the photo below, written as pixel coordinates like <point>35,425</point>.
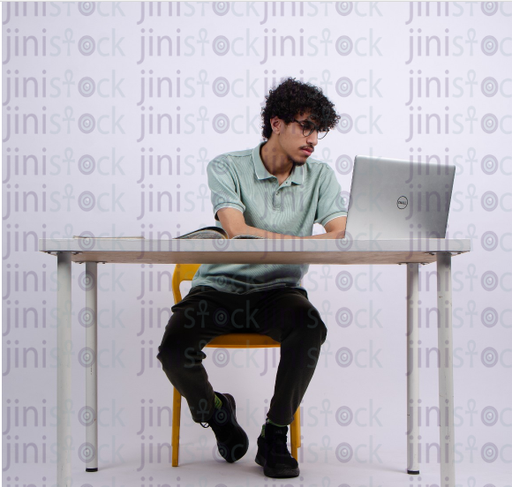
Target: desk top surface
<point>254,251</point>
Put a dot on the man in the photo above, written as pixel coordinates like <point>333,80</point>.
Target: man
<point>273,191</point>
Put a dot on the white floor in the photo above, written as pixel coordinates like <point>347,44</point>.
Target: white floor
<point>320,467</point>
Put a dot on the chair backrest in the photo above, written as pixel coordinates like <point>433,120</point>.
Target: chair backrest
<point>186,272</point>
<point>182,272</point>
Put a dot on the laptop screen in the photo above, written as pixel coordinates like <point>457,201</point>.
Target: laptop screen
<point>395,199</point>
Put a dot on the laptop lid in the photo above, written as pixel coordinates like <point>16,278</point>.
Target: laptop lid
<point>394,199</point>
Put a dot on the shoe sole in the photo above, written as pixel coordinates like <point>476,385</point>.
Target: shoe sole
<point>287,473</point>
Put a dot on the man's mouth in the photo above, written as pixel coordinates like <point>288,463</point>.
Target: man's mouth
<point>307,150</point>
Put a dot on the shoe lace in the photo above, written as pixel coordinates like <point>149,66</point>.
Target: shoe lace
<point>280,442</point>
<point>221,429</point>
<point>219,417</point>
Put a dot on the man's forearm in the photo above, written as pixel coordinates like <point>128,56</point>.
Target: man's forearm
<point>248,230</point>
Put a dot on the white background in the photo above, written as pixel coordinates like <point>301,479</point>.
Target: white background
<point>375,380</point>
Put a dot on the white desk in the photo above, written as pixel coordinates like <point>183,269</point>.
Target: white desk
<point>344,252</point>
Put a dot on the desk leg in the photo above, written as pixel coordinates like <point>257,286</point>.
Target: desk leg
<point>412,369</point>
<point>64,347</point>
<point>445,346</point>
<point>90,415</point>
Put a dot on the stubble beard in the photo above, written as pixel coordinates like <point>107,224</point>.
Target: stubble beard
<point>298,163</point>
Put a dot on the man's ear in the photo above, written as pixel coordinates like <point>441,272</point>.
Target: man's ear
<point>276,124</point>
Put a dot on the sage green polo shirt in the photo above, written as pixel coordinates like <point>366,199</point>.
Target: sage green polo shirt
<point>311,194</point>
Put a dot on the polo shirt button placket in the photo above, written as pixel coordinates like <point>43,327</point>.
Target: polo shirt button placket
<point>276,201</point>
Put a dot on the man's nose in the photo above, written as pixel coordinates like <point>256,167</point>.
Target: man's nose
<point>312,138</point>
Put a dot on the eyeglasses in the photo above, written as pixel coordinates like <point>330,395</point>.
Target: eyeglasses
<point>309,127</point>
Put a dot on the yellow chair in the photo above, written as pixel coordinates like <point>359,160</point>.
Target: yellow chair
<point>185,272</point>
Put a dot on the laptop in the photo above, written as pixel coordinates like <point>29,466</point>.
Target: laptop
<point>394,199</point>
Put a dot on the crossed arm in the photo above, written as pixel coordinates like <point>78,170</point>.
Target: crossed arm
<point>233,222</point>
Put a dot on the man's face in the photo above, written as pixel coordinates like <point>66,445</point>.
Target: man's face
<point>292,141</point>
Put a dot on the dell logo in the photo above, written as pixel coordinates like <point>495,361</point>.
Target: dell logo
<point>402,202</point>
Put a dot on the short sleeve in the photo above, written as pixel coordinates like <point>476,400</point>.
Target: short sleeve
<point>331,203</point>
<point>224,185</point>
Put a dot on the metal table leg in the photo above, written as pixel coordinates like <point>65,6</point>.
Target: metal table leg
<point>445,346</point>
<point>90,415</point>
<point>412,369</point>
<point>64,347</point>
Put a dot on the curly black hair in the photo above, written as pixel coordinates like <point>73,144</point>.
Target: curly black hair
<point>292,98</point>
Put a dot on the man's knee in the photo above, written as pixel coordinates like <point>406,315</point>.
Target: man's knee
<point>176,352</point>
<point>309,324</point>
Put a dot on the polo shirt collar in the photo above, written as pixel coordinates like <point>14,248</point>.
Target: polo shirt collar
<point>296,177</point>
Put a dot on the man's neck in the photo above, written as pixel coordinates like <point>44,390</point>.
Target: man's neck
<point>275,162</point>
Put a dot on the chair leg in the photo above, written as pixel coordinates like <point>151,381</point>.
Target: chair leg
<point>297,419</point>
<point>176,415</point>
<point>295,434</point>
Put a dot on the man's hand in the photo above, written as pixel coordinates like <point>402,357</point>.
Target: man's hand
<point>233,221</point>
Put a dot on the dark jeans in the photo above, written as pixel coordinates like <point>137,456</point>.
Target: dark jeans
<point>284,314</point>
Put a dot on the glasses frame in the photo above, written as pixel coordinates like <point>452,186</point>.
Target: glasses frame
<point>321,134</point>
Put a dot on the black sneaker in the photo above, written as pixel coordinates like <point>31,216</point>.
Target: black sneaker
<point>273,454</point>
<point>232,441</point>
